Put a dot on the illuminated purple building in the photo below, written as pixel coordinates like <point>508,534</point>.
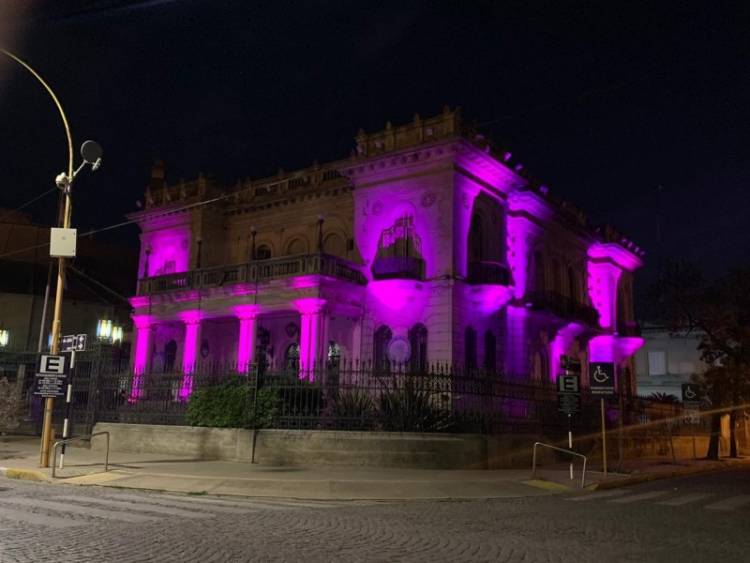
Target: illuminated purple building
<point>426,245</point>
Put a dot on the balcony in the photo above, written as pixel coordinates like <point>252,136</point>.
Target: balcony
<point>398,267</point>
<point>563,307</point>
<point>260,270</point>
<point>628,328</point>
<point>490,273</point>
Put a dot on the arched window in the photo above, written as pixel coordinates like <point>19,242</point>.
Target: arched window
<point>540,283</point>
<point>573,284</point>
<point>399,252</point>
<point>381,339</point>
<point>263,252</point>
<point>296,246</point>
<point>490,352</point>
<point>470,349</point>
<point>335,245</point>
<point>291,358</point>
<point>170,354</point>
<point>418,342</point>
<point>476,242</point>
<point>557,277</point>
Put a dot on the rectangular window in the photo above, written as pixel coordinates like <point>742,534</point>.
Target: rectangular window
<point>657,362</point>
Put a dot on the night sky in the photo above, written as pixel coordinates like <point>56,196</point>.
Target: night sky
<point>602,103</point>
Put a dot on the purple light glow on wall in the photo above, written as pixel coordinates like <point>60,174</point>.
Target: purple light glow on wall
<point>247,314</point>
<point>602,287</point>
<point>517,360</point>
<point>488,299</point>
<point>192,321</point>
<point>312,336</point>
<point>616,254</point>
<point>142,355</point>
<point>560,345</point>
<point>169,250</point>
<point>518,241</point>
<point>397,303</point>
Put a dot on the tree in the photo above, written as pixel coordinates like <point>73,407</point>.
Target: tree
<point>10,404</point>
<point>720,312</point>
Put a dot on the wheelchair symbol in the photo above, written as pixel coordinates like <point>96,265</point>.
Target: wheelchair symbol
<point>599,375</point>
<point>689,393</point>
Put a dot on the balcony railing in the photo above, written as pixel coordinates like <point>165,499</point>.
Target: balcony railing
<point>563,306</point>
<point>260,270</point>
<point>398,267</point>
<point>628,328</point>
<point>491,273</point>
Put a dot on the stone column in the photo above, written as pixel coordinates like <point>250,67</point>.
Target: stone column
<point>313,336</point>
<point>142,353</point>
<point>248,317</point>
<point>190,349</point>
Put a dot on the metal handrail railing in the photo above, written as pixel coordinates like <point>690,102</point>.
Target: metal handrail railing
<point>570,452</point>
<point>84,438</point>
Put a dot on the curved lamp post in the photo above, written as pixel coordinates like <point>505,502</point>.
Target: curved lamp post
<point>92,155</point>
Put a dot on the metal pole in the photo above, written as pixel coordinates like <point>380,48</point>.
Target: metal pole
<point>604,438</point>
<point>68,399</point>
<point>49,403</point>
<point>43,323</point>
<point>570,441</point>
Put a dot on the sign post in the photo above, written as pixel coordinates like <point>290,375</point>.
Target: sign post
<point>602,381</point>
<point>569,395</point>
<point>691,401</point>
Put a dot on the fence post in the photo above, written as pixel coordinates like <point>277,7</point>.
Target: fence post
<point>255,412</point>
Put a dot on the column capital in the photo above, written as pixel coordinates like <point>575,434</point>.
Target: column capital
<point>309,305</point>
<point>191,317</point>
<point>247,311</point>
<point>143,321</point>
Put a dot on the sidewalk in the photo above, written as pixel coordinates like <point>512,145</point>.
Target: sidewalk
<point>19,458</point>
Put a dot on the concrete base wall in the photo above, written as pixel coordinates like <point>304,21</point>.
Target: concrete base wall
<point>303,447</point>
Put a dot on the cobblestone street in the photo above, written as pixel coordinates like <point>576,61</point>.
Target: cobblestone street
<point>690,519</point>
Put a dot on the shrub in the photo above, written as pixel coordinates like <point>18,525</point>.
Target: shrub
<point>231,405</point>
<point>354,405</point>
<point>410,409</point>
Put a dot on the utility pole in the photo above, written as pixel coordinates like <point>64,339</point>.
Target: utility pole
<point>91,153</point>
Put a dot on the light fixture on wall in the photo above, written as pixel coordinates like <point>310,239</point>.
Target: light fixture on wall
<point>108,331</point>
<point>4,337</point>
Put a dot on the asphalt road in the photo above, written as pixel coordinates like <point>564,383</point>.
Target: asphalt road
<point>699,518</point>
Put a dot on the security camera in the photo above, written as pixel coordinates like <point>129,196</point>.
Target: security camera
<point>62,181</point>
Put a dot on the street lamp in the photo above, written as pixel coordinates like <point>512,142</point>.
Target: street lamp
<point>91,153</point>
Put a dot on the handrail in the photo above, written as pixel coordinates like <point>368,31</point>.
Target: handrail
<point>68,440</point>
<point>571,452</point>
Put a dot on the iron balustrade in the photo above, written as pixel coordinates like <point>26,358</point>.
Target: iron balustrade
<point>259,270</point>
<point>492,273</point>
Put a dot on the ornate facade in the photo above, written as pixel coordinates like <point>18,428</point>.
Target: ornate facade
<point>425,245</point>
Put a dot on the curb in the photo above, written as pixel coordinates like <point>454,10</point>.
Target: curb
<point>23,474</point>
<point>647,477</point>
<point>550,486</point>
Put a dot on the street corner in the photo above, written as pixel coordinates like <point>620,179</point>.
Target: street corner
<point>24,474</point>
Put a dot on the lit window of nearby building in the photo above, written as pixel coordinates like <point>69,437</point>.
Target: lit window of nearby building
<point>4,338</point>
<point>657,362</point>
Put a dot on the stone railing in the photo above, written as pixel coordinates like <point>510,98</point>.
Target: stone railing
<point>260,270</point>
<point>492,273</point>
<point>563,306</point>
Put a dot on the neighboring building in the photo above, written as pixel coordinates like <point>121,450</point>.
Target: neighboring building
<point>666,361</point>
<point>24,269</point>
<point>426,245</point>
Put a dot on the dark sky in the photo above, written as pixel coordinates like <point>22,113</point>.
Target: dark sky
<point>602,103</point>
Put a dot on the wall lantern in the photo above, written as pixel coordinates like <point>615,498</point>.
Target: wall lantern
<point>107,330</point>
<point>4,338</point>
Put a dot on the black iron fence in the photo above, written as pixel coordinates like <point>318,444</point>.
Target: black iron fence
<point>345,396</point>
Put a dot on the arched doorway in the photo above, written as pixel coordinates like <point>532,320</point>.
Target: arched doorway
<point>170,355</point>
<point>381,339</point>
<point>291,358</point>
<point>418,343</point>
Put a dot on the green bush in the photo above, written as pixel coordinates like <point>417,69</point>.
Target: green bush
<point>231,405</point>
<point>410,409</point>
<point>354,405</point>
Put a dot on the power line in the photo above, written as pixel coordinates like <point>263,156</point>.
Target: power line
<point>126,223</point>
<point>37,198</point>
